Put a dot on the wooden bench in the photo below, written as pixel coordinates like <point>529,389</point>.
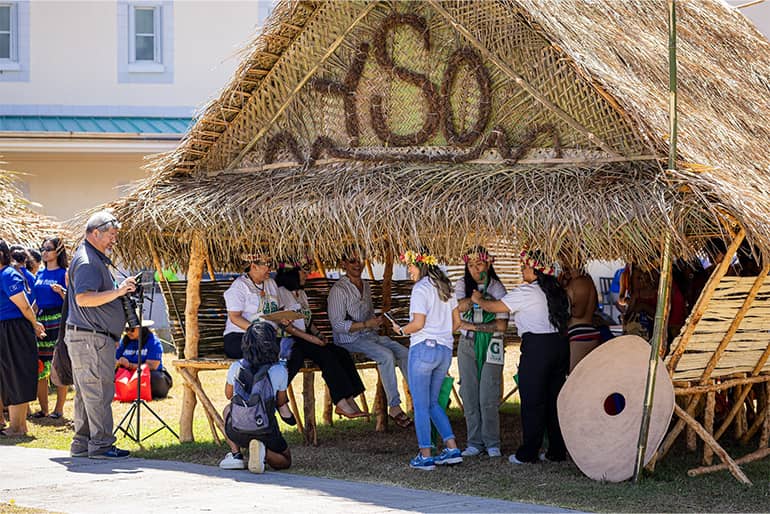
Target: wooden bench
<point>724,346</point>
<point>212,315</point>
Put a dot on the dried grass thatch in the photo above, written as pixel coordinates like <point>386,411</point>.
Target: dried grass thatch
<point>19,224</point>
<point>578,90</point>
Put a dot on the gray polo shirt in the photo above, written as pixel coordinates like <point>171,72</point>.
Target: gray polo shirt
<point>89,272</point>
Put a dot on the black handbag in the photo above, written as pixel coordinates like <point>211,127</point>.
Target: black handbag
<point>61,365</point>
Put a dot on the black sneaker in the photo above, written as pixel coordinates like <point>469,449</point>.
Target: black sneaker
<point>112,454</point>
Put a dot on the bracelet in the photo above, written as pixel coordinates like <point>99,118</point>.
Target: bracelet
<point>401,331</point>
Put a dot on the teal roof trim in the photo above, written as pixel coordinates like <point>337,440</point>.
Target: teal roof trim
<point>95,124</point>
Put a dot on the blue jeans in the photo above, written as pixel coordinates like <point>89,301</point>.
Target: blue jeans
<point>428,365</point>
<point>388,354</point>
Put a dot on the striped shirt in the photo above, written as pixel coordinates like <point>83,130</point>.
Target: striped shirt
<point>346,305</point>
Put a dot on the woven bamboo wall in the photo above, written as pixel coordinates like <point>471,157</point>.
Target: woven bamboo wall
<point>747,345</point>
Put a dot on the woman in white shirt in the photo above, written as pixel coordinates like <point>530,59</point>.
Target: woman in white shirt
<point>250,296</point>
<point>540,309</point>
<point>434,316</point>
<point>480,353</point>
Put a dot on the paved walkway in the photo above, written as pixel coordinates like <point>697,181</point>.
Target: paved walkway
<point>52,480</point>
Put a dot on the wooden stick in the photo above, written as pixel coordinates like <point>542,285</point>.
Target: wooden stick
<point>380,407</point>
<point>369,269</point>
<point>205,401</point>
<point>265,127</point>
<point>308,395</point>
<point>709,440</point>
<point>734,410</point>
<point>510,393</point>
<point>703,301</point>
<point>708,424</point>
<point>319,264</point>
<point>507,70</point>
<point>755,455</point>
<point>295,409</point>
<point>365,406</point>
<point>764,438</point>
<point>457,398</point>
<point>727,384</point>
<point>387,280</point>
<point>759,421</point>
<point>327,413</point>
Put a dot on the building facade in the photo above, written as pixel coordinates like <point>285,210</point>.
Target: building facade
<point>89,88</point>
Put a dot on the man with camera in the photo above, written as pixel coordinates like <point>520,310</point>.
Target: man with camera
<point>95,321</point>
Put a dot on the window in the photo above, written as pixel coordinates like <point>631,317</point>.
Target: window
<point>8,33</point>
<point>145,41</point>
<point>144,30</point>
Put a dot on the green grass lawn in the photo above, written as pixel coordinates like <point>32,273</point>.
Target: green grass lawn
<point>352,450</point>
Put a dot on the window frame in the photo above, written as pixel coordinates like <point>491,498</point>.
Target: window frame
<point>155,65</point>
<point>11,63</point>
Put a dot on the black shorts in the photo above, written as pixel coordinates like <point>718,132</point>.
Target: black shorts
<point>274,441</point>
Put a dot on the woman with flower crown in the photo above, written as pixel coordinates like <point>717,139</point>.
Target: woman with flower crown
<point>480,353</point>
<point>434,316</point>
<point>540,309</point>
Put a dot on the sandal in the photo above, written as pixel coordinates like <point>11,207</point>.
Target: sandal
<point>402,420</point>
<point>39,414</point>
<point>55,415</point>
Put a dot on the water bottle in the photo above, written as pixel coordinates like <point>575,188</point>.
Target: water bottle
<point>478,313</point>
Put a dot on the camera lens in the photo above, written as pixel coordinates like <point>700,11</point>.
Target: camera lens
<point>129,309</point>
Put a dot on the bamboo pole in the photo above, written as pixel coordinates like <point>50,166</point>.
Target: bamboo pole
<point>192,302</point>
<point>664,287</point>
<point>708,424</point>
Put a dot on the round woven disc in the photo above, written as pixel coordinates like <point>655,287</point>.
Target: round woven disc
<point>600,408</point>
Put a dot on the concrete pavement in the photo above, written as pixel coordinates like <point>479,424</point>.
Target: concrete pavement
<point>52,480</point>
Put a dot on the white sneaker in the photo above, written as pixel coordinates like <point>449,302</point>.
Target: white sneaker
<point>257,453</point>
<point>471,451</point>
<point>232,461</point>
<point>542,458</point>
<point>513,460</point>
<point>494,452</point>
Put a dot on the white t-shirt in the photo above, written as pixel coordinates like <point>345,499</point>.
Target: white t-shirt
<point>438,314</point>
<point>299,303</point>
<point>529,307</point>
<point>250,300</point>
<point>495,290</point>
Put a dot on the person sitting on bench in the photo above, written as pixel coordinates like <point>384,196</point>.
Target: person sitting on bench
<point>354,325</point>
<point>126,356</point>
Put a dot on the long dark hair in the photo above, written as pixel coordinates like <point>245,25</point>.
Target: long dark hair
<point>470,282</point>
<point>61,252</point>
<point>5,253</point>
<point>259,345</point>
<point>288,278</point>
<point>558,301</point>
<point>144,335</point>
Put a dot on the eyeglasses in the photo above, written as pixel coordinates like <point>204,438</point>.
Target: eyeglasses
<point>47,249</point>
<point>113,223</point>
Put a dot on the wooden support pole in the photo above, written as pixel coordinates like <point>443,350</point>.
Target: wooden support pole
<point>369,269</point>
<point>193,300</point>
<point>195,385</point>
<point>319,265</point>
<point>759,421</point>
<point>751,457</point>
<point>764,438</point>
<point>709,440</point>
<point>380,407</point>
<point>708,424</point>
<point>327,413</point>
<point>659,335</point>
<point>387,280</point>
<point>308,395</point>
<point>295,409</point>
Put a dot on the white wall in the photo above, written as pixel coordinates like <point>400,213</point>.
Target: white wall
<point>74,52</point>
<point>759,14</point>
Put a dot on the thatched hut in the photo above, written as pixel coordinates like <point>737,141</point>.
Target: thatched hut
<point>445,123</point>
<point>19,224</point>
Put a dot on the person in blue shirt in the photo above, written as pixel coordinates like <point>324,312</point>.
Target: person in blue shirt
<point>49,288</point>
<point>19,330</point>
<point>19,258</point>
<point>127,356</point>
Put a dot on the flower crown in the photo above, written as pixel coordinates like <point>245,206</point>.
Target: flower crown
<point>415,258</point>
<point>478,256</point>
<point>530,259</point>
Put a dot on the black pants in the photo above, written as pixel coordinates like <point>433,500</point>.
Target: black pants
<point>542,372</point>
<point>160,383</point>
<point>337,367</point>
<point>233,345</point>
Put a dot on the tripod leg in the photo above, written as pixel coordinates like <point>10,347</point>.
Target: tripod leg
<point>165,425</point>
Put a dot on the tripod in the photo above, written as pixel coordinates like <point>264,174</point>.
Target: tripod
<point>126,425</point>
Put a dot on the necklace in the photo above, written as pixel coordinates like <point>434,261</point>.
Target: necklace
<point>260,288</point>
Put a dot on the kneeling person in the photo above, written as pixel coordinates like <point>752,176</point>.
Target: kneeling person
<point>127,357</point>
<point>260,352</point>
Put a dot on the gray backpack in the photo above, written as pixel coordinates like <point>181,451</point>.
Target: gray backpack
<point>252,407</point>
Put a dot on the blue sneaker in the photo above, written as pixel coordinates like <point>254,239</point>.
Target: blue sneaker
<point>448,456</point>
<point>112,454</point>
<point>424,463</point>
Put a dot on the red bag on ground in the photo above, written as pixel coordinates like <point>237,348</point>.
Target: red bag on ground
<point>125,384</point>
